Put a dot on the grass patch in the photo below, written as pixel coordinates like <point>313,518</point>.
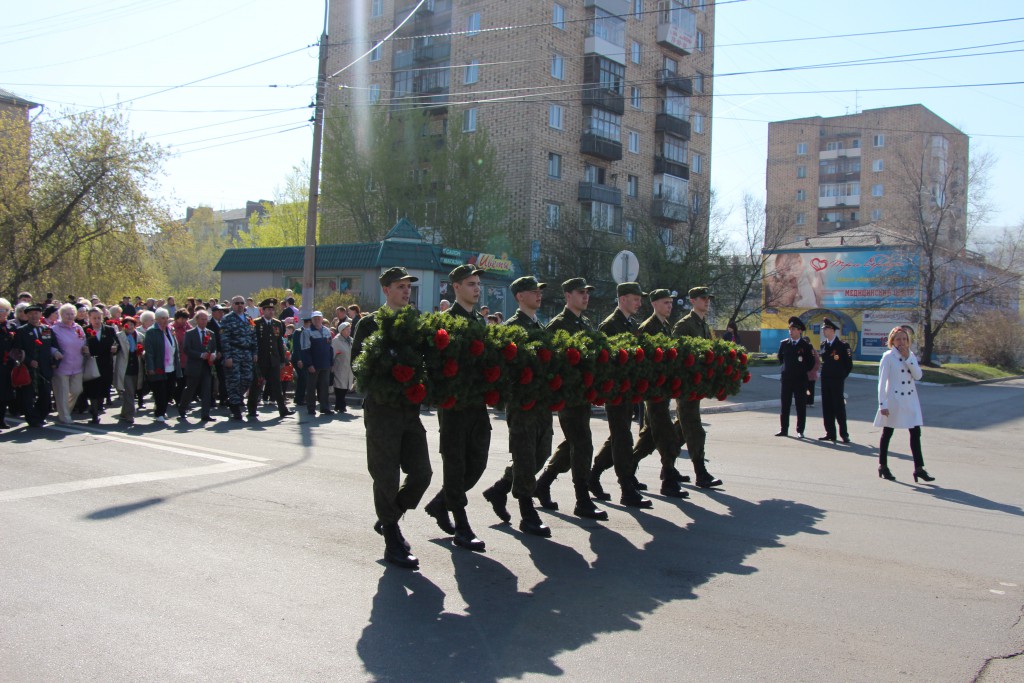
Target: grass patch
<point>953,373</point>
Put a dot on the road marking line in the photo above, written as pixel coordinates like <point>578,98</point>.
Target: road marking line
<point>82,429</point>
<point>121,480</point>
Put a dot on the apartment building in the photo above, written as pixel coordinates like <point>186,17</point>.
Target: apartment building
<point>876,167</point>
<point>599,110</point>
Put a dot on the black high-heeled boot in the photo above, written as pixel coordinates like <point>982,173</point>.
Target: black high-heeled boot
<point>884,473</point>
<point>922,474</point>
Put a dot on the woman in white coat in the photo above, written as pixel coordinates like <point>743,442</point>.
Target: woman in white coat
<point>342,369</point>
<point>898,405</point>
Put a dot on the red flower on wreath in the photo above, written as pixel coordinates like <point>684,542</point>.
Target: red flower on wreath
<point>694,396</point>
<point>615,401</point>
<point>590,395</point>
<point>642,386</point>
<point>743,359</point>
<point>710,374</point>
<point>698,378</point>
<point>492,374</point>
<point>602,357</point>
<point>599,402</point>
<point>728,371</point>
<point>543,355</point>
<point>476,347</point>
<point>690,360</point>
<point>606,386</point>
<point>677,393</point>
<point>637,398</point>
<point>527,406</point>
<point>416,393</point>
<point>709,356</point>
<point>556,407</point>
<point>676,383</point>
<point>526,376</point>
<point>572,355</point>
<point>746,378</point>
<point>719,359</point>
<point>721,395</point>
<point>441,339</point>
<point>732,354</point>
<point>625,386</point>
<point>402,373</point>
<point>451,368</point>
<point>588,379</point>
<point>672,353</point>
<point>660,380</point>
<point>658,355</point>
<point>556,383</point>
<point>623,356</point>
<point>639,355</point>
<point>447,403</point>
<point>491,398</point>
<point>509,351</point>
<point>657,399</point>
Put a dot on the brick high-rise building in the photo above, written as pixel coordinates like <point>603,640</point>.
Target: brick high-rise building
<point>882,167</point>
<point>596,108</point>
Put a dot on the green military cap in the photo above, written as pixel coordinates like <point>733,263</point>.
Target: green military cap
<point>527,283</point>
<point>268,303</point>
<point>460,273</point>
<point>660,294</point>
<point>697,292</point>
<point>573,284</point>
<point>629,288</point>
<point>394,274</point>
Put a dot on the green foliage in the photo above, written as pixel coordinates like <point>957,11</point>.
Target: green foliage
<point>285,222</point>
<point>267,292</point>
<point>328,302</point>
<point>184,255</point>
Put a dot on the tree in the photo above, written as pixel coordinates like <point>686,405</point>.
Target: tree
<point>69,182</point>
<point>285,222</point>
<point>185,254</point>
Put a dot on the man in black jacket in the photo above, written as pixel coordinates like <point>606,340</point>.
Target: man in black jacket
<point>201,354</point>
<point>836,364</point>
<point>797,358</point>
<point>42,354</point>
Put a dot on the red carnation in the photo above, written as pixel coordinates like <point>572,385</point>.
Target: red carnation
<point>556,383</point>
<point>556,407</point>
<point>441,339</point>
<point>710,374</point>
<point>526,376</point>
<point>728,371</point>
<point>492,374</point>
<point>602,357</point>
<point>528,406</point>
<point>639,355</point>
<point>588,378</point>
<point>625,386</point>
<point>642,386</point>
<point>637,398</point>
<point>690,360</point>
<point>599,402</point>
<point>721,396</point>
<point>657,399</point>
<point>402,373</point>
<point>572,355</point>
<point>660,380</point>
<point>623,356</point>
<point>698,378</point>
<point>38,342</point>
<point>615,401</point>
<point>451,368</point>
<point>543,355</point>
<point>746,378</point>
<point>606,386</point>
<point>672,353</point>
<point>694,396</point>
<point>709,356</point>
<point>676,393</point>
<point>732,354</point>
<point>743,358</point>
<point>416,393</point>
<point>90,332</point>
<point>138,349</point>
<point>509,351</point>
<point>590,395</point>
<point>658,355</point>
<point>491,398</point>
<point>448,403</point>
<point>676,383</point>
<point>719,359</point>
<point>476,347</point>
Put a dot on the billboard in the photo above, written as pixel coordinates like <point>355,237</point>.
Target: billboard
<point>884,278</point>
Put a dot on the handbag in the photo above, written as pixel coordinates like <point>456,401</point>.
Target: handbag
<point>90,369</point>
<point>20,376</point>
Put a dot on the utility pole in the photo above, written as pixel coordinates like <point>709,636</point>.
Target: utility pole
<point>309,257</point>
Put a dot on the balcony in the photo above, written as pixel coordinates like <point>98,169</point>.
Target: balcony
<point>829,154</point>
<point>403,59</point>
<point>673,168</point>
<point>435,103</point>
<point>844,200</point>
<point>677,27</point>
<point>596,192</point>
<point>596,96</point>
<point>670,210</point>
<point>600,147</point>
<point>668,79</point>
<point>666,123</point>
<point>435,52</point>
<point>616,7</point>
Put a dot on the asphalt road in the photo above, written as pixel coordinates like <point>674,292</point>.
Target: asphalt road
<point>246,553</point>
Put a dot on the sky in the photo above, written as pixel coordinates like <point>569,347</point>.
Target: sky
<point>226,85</point>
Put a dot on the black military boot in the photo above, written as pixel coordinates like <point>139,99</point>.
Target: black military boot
<point>672,474</point>
<point>543,491</point>
<point>531,523</point>
<point>594,485</point>
<point>585,507</point>
<point>497,496</point>
<point>379,528</point>
<point>396,548</point>
<point>672,489</point>
<point>436,509</point>
<point>464,536</point>
<point>631,498</point>
<point>704,478</point>
<point>236,412</point>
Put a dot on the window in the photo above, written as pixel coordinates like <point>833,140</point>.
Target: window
<point>855,143</point>
<point>611,75</point>
<point>608,26</point>
<point>554,216</point>
<point>469,120</point>
<point>634,51</point>
<point>839,190</point>
<point>558,16</point>
<point>473,24</point>
<point>676,104</point>
<point>801,171</point>
<point>801,195</point>
<point>472,72</point>
<point>374,93</point>
<point>801,149</point>
<point>833,146</point>
<point>698,123</point>
<point>700,41</point>
<point>638,9</point>
<point>877,165</point>
<point>403,83</point>
<point>593,174</point>
<point>556,114</point>
<point>634,142</point>
<point>801,218</point>
<point>634,97</point>
<point>695,202</point>
<point>376,9</point>
<point>630,231</point>
<point>876,214</point>
<point>671,188</point>
<point>879,141</point>
<point>670,65</point>
<point>698,82</point>
<point>602,123</point>
<point>696,163</point>
<point>674,149</point>
<point>554,165</point>
<point>557,67</point>
<point>602,217</point>
<point>375,54</point>
<point>877,190</point>
<point>633,186</point>
<point>665,235</point>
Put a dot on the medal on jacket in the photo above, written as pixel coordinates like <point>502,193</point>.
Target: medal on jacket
<point>799,359</point>
<point>835,356</point>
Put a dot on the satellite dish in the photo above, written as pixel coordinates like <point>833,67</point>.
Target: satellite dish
<point>625,267</point>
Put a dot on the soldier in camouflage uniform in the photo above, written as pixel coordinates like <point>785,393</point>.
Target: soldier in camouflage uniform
<point>529,432</point>
<point>693,324</point>
<point>238,345</point>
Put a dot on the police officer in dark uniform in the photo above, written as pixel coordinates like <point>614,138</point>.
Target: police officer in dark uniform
<point>695,324</point>
<point>658,430</point>
<point>797,358</point>
<point>577,451</point>
<point>836,364</point>
<point>395,439</point>
<point>465,432</point>
<point>529,431</point>
<point>270,356</point>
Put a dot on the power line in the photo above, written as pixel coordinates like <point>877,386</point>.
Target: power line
<point>224,123</point>
<point>255,137</point>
